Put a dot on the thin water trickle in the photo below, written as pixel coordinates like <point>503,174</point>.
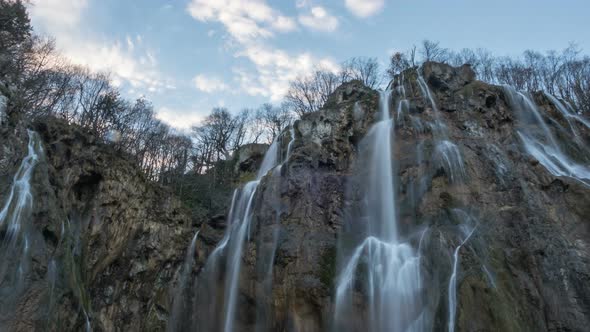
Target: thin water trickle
<point>489,276</point>
<point>453,283</point>
<point>448,155</point>
<point>568,114</point>
<point>539,141</point>
<point>179,299</point>
<point>291,141</point>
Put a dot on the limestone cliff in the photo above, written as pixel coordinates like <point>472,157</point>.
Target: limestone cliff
<point>105,242</point>
<point>107,245</point>
<point>525,267</point>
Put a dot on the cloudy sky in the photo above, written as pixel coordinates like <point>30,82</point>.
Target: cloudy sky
<point>188,56</point>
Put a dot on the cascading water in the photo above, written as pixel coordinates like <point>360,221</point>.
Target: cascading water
<point>403,105</point>
<point>231,246</point>
<point>179,302</point>
<point>568,114</point>
<point>539,141</point>
<point>15,216</point>
<point>387,267</point>
<point>452,291</point>
<point>447,153</point>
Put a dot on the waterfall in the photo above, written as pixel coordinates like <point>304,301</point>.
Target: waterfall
<point>447,153</point>
<point>568,115</point>
<point>539,141</point>
<point>20,199</point>
<point>234,260</point>
<point>388,267</point>
<point>180,299</point>
<point>403,105</point>
<point>452,292</point>
<point>291,141</point>
<point>448,156</point>
<point>15,218</point>
<point>232,246</point>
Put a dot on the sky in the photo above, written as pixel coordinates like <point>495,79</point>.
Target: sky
<point>188,56</point>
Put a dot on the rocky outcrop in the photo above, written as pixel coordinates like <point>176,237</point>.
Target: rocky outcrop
<point>248,157</point>
<point>527,263</point>
<point>108,242</point>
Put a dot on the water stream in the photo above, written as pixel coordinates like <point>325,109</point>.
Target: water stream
<point>226,258</point>
<point>447,154</point>
<point>539,141</point>
<point>15,225</point>
<point>387,267</point>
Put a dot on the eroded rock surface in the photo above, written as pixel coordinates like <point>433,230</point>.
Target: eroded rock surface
<point>107,242</point>
<point>119,251</point>
<point>525,267</point>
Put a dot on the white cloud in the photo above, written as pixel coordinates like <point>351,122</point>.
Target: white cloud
<point>302,3</point>
<point>284,24</point>
<point>319,19</point>
<point>181,119</point>
<point>365,8</point>
<point>209,84</point>
<point>62,13</point>
<point>275,69</point>
<point>130,44</point>
<point>245,20</point>
<point>128,62</point>
<point>251,24</point>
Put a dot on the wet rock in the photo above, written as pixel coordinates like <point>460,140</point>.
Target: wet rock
<point>116,238</point>
<point>519,272</point>
<point>249,157</point>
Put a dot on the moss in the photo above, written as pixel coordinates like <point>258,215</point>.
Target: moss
<point>467,91</point>
<point>328,267</point>
<point>246,177</point>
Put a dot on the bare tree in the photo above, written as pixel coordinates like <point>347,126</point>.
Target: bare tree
<point>432,51</point>
<point>274,119</point>
<point>398,62</point>
<point>363,69</point>
<point>309,93</point>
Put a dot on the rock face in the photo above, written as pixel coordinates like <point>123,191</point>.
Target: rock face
<point>249,156</point>
<point>526,265</point>
<point>107,243</point>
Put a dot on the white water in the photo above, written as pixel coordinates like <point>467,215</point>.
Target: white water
<point>489,275</point>
<point>448,156</point>
<point>291,141</point>
<point>3,103</point>
<point>447,153</point>
<point>15,219</point>
<point>51,280</point>
<point>179,299</point>
<point>568,115</point>
<point>539,141</point>
<point>403,105</point>
<point>236,247</point>
<point>232,245</point>
<point>426,92</point>
<point>20,198</point>
<point>390,268</point>
<point>87,326</point>
<point>453,283</point>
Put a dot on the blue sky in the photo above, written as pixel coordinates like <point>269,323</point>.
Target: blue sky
<point>188,56</point>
